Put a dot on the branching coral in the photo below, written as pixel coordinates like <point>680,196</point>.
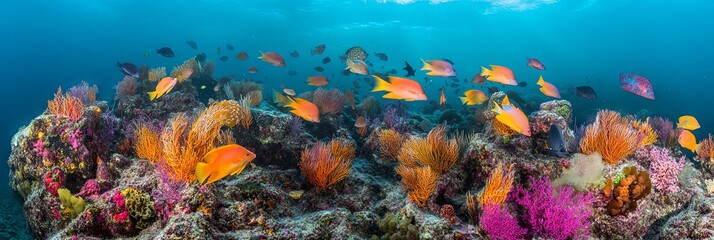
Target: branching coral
<point>390,142</point>
<point>420,182</point>
<point>664,170</point>
<point>147,143</point>
<point>66,105</point>
<point>625,193</point>
<point>436,151</point>
<point>611,136</point>
<point>499,224</point>
<point>86,93</point>
<point>126,87</point>
<point>326,164</point>
<point>183,150</point>
<point>156,74</point>
<point>645,133</point>
<point>705,149</point>
<point>497,187</point>
<point>329,101</point>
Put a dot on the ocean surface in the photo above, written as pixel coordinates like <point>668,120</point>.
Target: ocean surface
<point>46,44</point>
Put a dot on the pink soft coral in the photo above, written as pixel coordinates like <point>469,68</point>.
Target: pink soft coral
<point>664,170</point>
<point>499,224</point>
<point>557,213</point>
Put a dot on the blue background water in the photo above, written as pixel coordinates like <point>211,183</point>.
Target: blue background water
<point>46,44</point>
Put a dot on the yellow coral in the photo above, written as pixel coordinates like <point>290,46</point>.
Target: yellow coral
<point>420,182</point>
<point>155,74</point>
<point>436,151</point>
<point>147,143</point>
<point>389,142</point>
<point>497,187</point>
<point>645,131</point>
<point>326,164</point>
<point>185,70</point>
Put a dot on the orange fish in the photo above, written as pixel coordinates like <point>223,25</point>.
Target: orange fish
<point>687,140</point>
<point>317,81</point>
<point>361,122</point>
<point>473,97</point>
<point>442,99</point>
<point>547,88</point>
<point>272,58</point>
<point>223,161</point>
<point>688,122</point>
<point>300,107</point>
<point>164,87</point>
<point>439,68</point>
<point>399,88</point>
<point>512,117</point>
<point>499,74</point>
<point>357,66</point>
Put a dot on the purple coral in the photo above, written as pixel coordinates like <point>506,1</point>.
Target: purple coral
<point>74,138</point>
<point>393,120</point>
<point>664,170</point>
<point>557,213</point>
<point>499,224</point>
<point>39,148</point>
<point>295,127</point>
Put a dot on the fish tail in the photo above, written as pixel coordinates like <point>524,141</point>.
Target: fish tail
<point>426,66</point>
<point>485,71</point>
<point>497,109</point>
<point>380,84</point>
<point>154,95</point>
<point>201,174</point>
<point>463,100</point>
<point>280,99</point>
<point>540,80</point>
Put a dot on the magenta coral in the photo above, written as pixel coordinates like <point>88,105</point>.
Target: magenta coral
<point>664,170</point>
<point>53,180</point>
<point>557,213</point>
<point>74,138</point>
<point>90,188</point>
<point>499,224</point>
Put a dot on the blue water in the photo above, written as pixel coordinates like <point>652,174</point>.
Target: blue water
<point>46,44</point>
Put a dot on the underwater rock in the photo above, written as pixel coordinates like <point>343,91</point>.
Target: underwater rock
<point>692,222</point>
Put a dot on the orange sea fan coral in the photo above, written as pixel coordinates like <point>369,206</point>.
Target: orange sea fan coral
<point>156,74</point>
<point>705,149</point>
<point>65,105</point>
<point>185,70</point>
<point>611,136</point>
<point>497,187</point>
<point>645,132</point>
<point>420,182</point>
<point>389,142</point>
<point>326,164</point>
<point>328,101</point>
<point>147,143</point>
<point>436,151</point>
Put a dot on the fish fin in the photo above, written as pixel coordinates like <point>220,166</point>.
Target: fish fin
<point>463,100</point>
<point>201,174</point>
<point>239,169</point>
<point>380,84</point>
<point>506,101</point>
<point>154,95</point>
<point>497,109</point>
<point>391,96</point>
<point>485,72</point>
<point>540,81</point>
<point>280,99</point>
<point>261,55</point>
<point>432,73</point>
<point>212,155</point>
<point>426,66</point>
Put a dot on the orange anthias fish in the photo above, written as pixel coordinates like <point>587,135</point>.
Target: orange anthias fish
<point>547,88</point>
<point>438,68</point>
<point>473,97</point>
<point>499,74</point>
<point>357,66</point>
<point>512,117</point>
<point>442,99</point>
<point>361,122</point>
<point>399,88</point>
<point>272,58</point>
<point>164,87</point>
<point>300,107</point>
<point>688,122</point>
<point>318,81</point>
<point>687,140</point>
<point>223,161</point>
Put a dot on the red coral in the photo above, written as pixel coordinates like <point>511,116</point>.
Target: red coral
<point>53,180</point>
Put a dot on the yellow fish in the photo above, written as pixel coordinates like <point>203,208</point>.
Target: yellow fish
<point>688,122</point>
<point>687,140</point>
<point>512,117</point>
<point>473,97</point>
<point>547,88</point>
<point>223,161</point>
<point>164,87</point>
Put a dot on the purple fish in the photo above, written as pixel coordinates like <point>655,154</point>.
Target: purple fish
<point>535,63</point>
<point>637,84</point>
